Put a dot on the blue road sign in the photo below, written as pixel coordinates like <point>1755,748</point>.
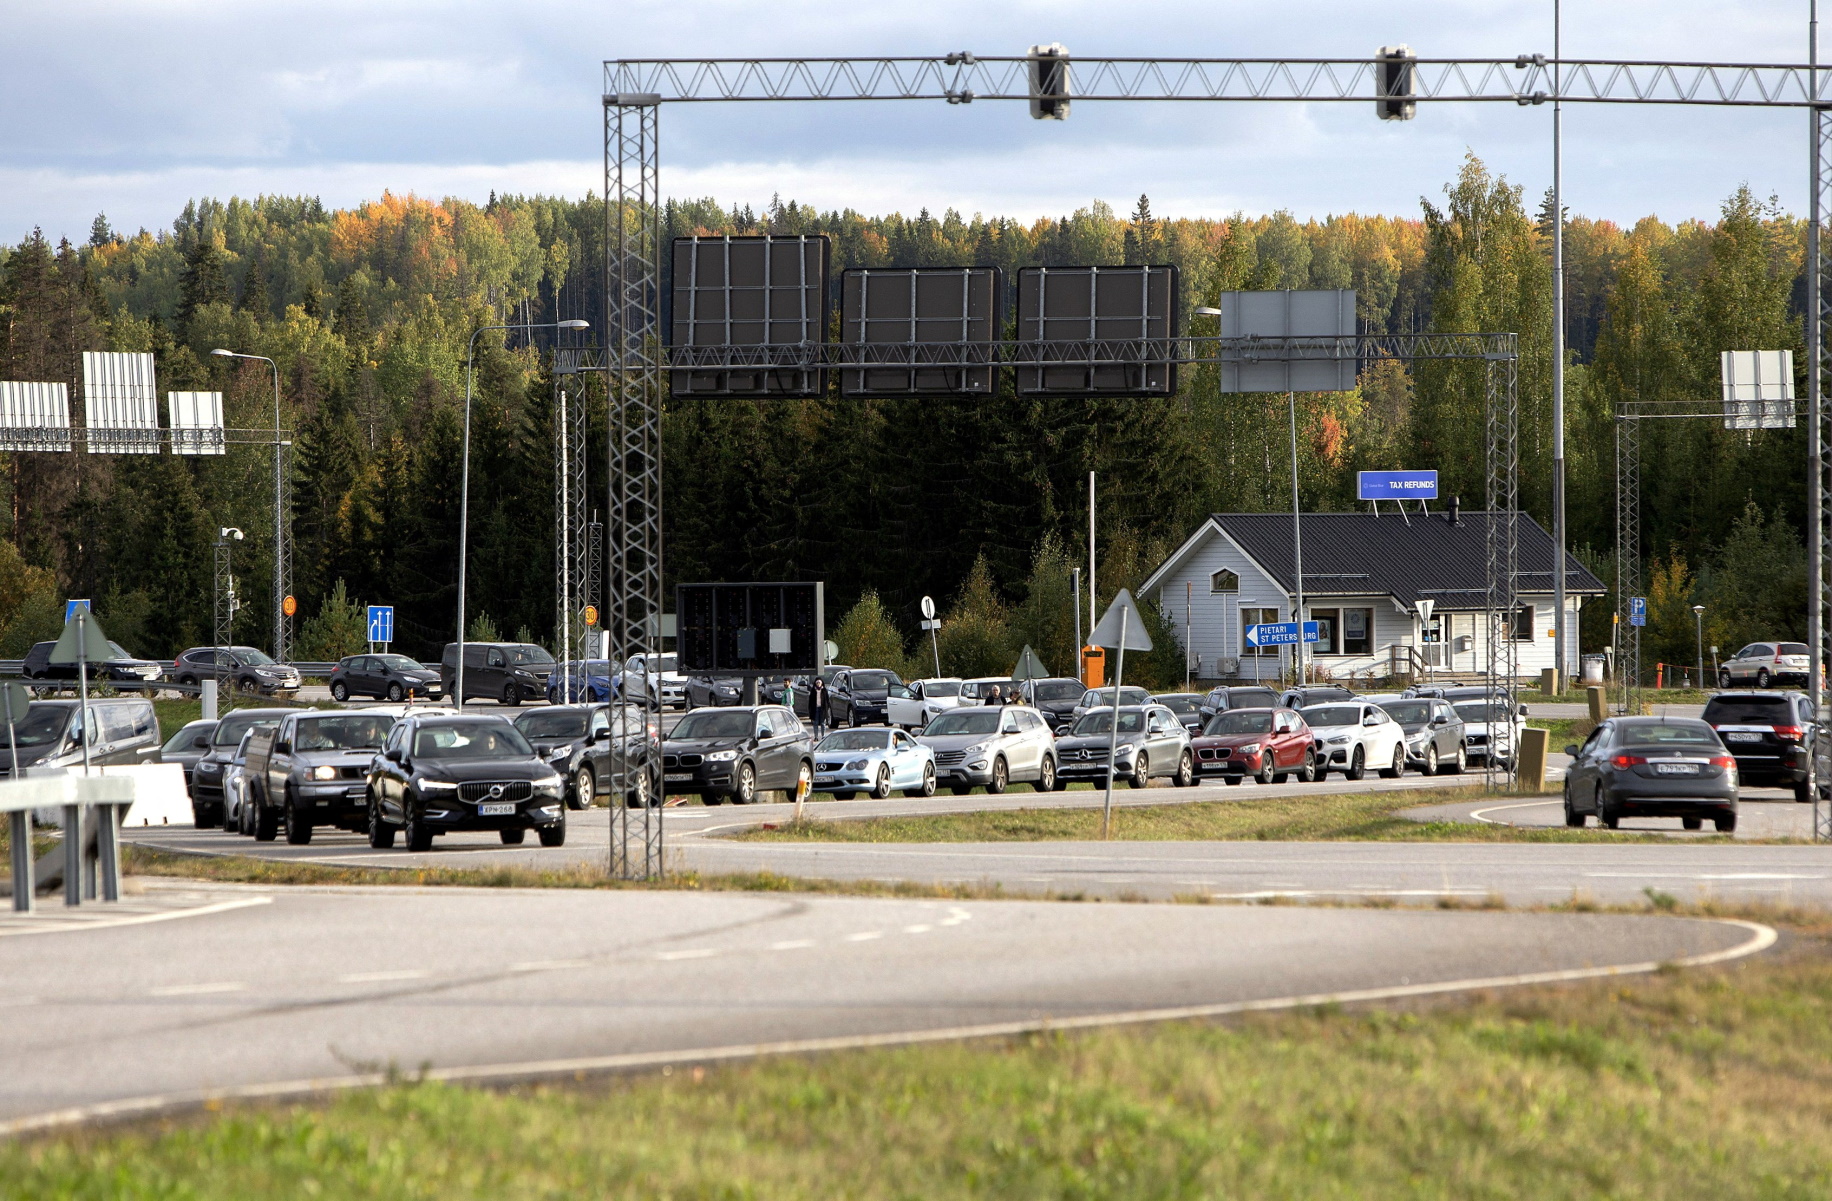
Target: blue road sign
<point>71,606</point>
<point>1396,485</point>
<point>1637,610</point>
<point>1281,633</point>
<point>381,623</point>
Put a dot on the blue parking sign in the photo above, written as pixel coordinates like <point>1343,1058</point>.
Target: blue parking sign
<point>381,623</point>
<point>1637,610</point>
<point>71,606</point>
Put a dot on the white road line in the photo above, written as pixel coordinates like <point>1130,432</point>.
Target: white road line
<point>865,936</point>
<point>917,929</point>
<point>1359,892</point>
<point>792,944</point>
<point>138,919</point>
<point>198,990</point>
<point>549,965</point>
<point>1477,813</point>
<point>1761,938</point>
<point>382,977</point>
<point>697,953</point>
<point>1706,875</point>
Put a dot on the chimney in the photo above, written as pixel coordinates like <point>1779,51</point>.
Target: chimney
<point>1451,516</point>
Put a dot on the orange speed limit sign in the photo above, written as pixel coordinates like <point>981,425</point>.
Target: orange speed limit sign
<point>591,615</point>
<point>289,606</point>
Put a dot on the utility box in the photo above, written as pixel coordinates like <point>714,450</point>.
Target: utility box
<point>1093,666</point>
<point>1532,774</point>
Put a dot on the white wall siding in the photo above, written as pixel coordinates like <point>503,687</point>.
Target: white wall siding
<point>1215,631</point>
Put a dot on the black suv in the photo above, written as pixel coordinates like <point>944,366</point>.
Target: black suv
<point>737,753</point>
<point>241,667</point>
<point>122,670</point>
<point>390,677</point>
<point>1771,735</point>
<point>860,696</point>
<point>1055,698</point>
<point>602,750</point>
<point>1237,696</point>
<point>441,772</point>
<point>207,775</point>
<point>510,672</point>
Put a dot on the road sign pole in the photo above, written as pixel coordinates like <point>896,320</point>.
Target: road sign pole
<point>1113,732</point>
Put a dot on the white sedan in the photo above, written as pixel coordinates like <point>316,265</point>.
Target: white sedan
<point>1352,735</point>
<point>878,761</point>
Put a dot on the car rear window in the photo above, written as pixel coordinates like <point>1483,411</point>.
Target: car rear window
<point>1691,734</point>
<point>1749,710</point>
<point>1792,648</point>
<point>1258,698</point>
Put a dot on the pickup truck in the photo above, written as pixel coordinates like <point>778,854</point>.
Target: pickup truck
<point>311,769</point>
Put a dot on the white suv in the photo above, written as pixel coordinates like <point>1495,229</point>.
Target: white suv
<point>1355,735</point>
<point>1766,663</point>
<point>994,747</point>
<point>643,672</point>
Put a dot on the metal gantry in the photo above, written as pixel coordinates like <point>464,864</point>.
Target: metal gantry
<point>1501,494</point>
<point>1627,639</point>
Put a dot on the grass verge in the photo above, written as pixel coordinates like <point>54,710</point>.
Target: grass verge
<point>1684,1084</point>
<point>1306,818</point>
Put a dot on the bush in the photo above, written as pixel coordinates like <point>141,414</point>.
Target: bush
<point>29,608</point>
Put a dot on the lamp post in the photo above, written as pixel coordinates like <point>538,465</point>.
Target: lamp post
<point>1698,615</point>
<point>281,549</point>
<point>464,498</point>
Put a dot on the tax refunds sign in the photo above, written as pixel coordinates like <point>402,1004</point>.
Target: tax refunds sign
<point>1396,485</point>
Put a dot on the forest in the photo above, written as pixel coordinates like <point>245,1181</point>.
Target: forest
<point>367,312</point>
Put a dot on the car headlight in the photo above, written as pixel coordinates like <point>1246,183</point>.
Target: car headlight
<point>1252,748</point>
<point>1339,739</point>
<point>437,786</point>
<point>325,772</point>
<point>559,752</point>
<point>551,786</point>
<point>208,768</point>
<point>857,765</point>
<point>721,756</point>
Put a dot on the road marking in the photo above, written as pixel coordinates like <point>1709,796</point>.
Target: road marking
<point>865,936</point>
<point>1477,813</point>
<point>917,929</point>
<point>198,990</point>
<point>1707,875</point>
<point>1761,938</point>
<point>698,953</point>
<point>792,944</point>
<point>1359,892</point>
<point>956,915</point>
<point>549,965</point>
<point>138,919</point>
<point>381,977</point>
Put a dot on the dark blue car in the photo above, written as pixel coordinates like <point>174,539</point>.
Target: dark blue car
<point>579,681</point>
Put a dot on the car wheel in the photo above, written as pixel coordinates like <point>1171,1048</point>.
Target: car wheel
<point>928,782</point>
<point>1724,678</point>
<point>881,788</point>
<point>1762,677</point>
<point>202,818</point>
<point>1457,766</point>
<point>231,819</point>
<point>396,693</point>
<point>1727,824</point>
<point>1265,773</point>
<point>1399,764</point>
<point>340,691</point>
<point>512,838</point>
<point>1573,818</point>
<point>1803,791</point>
<point>1001,776</point>
<point>298,823</point>
<point>1358,766</point>
<point>746,791</point>
<point>1046,775</point>
<point>1431,760</point>
<point>1307,771</point>
<point>637,797</point>
<point>265,820</point>
<point>1141,772</point>
<point>1691,823</point>
<point>585,788</point>
<point>712,798</point>
<point>1606,816</point>
<point>381,834</point>
<point>419,838</point>
<point>512,695</point>
<point>1186,771</point>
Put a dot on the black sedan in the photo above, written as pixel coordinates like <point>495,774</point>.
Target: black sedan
<point>390,677</point>
<point>704,691</point>
<point>1652,767</point>
<point>717,754</point>
<point>861,697</point>
<point>601,750</point>
<point>441,773</point>
<point>186,747</point>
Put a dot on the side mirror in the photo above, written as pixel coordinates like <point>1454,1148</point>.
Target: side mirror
<point>283,748</point>
<point>1370,720</point>
<point>201,743</point>
<point>766,732</point>
<point>1523,710</point>
<point>1572,751</point>
<point>1009,728</point>
<point>394,754</point>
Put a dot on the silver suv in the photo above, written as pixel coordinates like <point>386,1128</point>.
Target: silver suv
<point>1766,663</point>
<point>992,747</point>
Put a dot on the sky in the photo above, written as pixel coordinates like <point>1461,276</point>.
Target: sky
<point>132,107</point>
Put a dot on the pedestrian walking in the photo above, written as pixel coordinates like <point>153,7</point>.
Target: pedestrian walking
<point>817,705</point>
<point>788,694</point>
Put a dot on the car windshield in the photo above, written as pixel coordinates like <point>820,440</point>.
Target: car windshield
<point>1749,710</point>
<point>400,663</point>
<point>529,655</point>
<point>1179,705</point>
<point>665,663</point>
<point>1408,711</point>
<point>1104,696</point>
<point>593,667</point>
<point>184,740</point>
<point>552,723</point>
<point>1101,722</point>
<point>1695,734</point>
<point>345,732</point>
<point>116,647</point>
<point>1057,690</point>
<point>965,721</point>
<point>1333,715</point>
<point>1481,711</point>
<point>43,726</point>
<point>250,657</point>
<point>1240,721</point>
<point>1792,648</point>
<point>1256,699</point>
<point>872,681</point>
<point>472,740</point>
<point>730,724</point>
<point>941,688</point>
<point>229,731</point>
<point>856,740</point>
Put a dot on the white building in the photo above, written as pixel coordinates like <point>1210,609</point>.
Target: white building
<point>1364,576</point>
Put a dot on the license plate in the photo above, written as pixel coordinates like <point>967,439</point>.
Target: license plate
<point>680,778</point>
<point>1742,736</point>
<point>502,809</point>
<point>1676,769</point>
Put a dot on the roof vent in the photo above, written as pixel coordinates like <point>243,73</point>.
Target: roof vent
<point>1451,516</point>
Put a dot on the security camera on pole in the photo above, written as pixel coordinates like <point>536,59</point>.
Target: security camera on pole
<point>931,624</point>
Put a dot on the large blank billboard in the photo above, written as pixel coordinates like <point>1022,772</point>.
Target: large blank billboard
<point>1314,313</point>
<point>197,423</point>
<point>1097,331</point>
<point>1758,389</point>
<point>34,416</point>
<point>120,403</point>
<point>749,629</point>
<point>747,315</point>
<point>929,331</point>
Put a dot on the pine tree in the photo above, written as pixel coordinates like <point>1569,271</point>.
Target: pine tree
<point>203,281</point>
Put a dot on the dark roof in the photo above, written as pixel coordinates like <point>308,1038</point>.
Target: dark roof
<point>1419,556</point>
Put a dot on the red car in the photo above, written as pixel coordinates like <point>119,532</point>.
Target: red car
<point>1270,745</point>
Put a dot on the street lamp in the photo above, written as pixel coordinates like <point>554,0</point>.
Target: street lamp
<point>1698,615</point>
<point>464,500</point>
<point>281,549</point>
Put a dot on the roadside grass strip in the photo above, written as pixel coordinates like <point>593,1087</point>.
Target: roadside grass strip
<point>1706,1083</point>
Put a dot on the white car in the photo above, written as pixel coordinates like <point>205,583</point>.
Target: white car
<point>915,704</point>
<point>878,761</point>
<point>1355,735</point>
<point>980,745</point>
<point>975,691</point>
<point>658,673</point>
<point>1486,730</point>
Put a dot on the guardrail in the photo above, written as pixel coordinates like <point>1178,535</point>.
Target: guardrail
<point>14,667</point>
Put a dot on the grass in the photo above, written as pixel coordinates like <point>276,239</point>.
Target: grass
<point>1707,1084</point>
<point>1307,818</point>
<point>1564,731</point>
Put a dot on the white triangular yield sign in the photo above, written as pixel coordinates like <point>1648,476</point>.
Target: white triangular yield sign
<point>1107,633</point>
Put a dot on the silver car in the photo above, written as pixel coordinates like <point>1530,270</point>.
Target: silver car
<point>1151,741</point>
<point>992,747</point>
<point>1766,663</point>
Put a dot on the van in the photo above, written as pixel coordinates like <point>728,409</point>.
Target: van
<point>51,735</point>
<point>510,672</point>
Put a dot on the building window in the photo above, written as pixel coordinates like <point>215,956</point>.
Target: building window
<point>1224,581</point>
<point>1328,630</point>
<point>1358,631</point>
<point>1253,617</point>
<point>1523,624</point>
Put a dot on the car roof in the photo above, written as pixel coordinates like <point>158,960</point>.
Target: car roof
<point>1747,694</point>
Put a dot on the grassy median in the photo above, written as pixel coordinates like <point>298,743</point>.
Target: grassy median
<point>1707,1084</point>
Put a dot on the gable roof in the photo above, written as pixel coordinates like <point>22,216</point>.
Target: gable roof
<point>1363,554</point>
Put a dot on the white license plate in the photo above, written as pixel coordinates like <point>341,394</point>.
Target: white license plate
<point>1742,736</point>
<point>680,778</point>
<point>501,809</point>
<point>1676,769</point>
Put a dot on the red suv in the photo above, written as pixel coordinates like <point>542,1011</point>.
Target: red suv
<point>1268,744</point>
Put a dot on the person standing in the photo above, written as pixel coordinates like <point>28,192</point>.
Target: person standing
<point>994,698</point>
<point>817,705</point>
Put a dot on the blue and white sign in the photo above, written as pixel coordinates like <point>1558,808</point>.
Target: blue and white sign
<point>1396,485</point>
<point>71,606</point>
<point>1637,610</point>
<point>1281,633</point>
<point>381,623</point>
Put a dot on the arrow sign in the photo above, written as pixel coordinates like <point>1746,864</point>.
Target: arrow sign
<point>1281,633</point>
<point>381,623</point>
<point>1107,633</point>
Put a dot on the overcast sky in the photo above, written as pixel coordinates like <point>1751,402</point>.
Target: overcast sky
<point>133,106</point>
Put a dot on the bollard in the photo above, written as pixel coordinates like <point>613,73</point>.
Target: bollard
<point>1548,681</point>
<point>23,883</point>
<point>209,699</point>
<point>1599,703</point>
<point>1533,743</point>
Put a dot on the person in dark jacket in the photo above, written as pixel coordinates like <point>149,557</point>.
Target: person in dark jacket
<point>993,696</point>
<point>817,706</point>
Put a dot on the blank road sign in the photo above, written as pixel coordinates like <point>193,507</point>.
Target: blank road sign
<point>197,422</point>
<point>935,327</point>
<point>1099,331</point>
<point>1758,389</point>
<point>34,416</point>
<point>1315,314</point>
<point>756,304</point>
<point>120,403</point>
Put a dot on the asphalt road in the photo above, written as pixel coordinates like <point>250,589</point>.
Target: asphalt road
<point>1762,814</point>
<point>342,985</point>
